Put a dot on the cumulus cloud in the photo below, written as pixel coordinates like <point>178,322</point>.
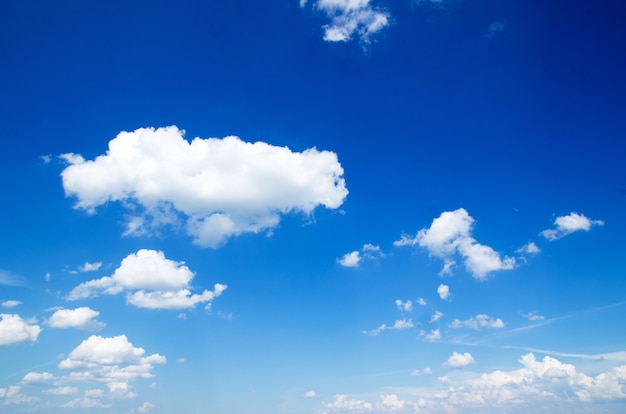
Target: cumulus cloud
<point>15,330</point>
<point>151,281</point>
<point>432,336</point>
<point>533,316</point>
<point>529,248</point>
<point>479,322</point>
<point>351,18</point>
<point>421,301</point>
<point>219,188</point>
<point>443,291</point>
<point>343,403</point>
<point>353,259</point>
<point>146,407</point>
<point>457,360</point>
<point>79,318</point>
<point>404,306</point>
<point>398,325</point>
<point>569,224</point>
<point>450,234</point>
<point>87,267</point>
<point>387,403</point>
<point>113,360</point>
<point>310,394</point>
<point>37,378</point>
<point>11,303</point>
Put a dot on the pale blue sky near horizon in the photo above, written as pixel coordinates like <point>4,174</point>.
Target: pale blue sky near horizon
<point>423,210</point>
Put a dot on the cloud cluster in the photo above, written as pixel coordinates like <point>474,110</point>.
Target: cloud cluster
<point>15,330</point>
<point>219,187</point>
<point>79,318</point>
<point>151,281</point>
<point>353,259</point>
<point>569,224</point>
<point>480,321</point>
<point>349,18</point>
<point>450,234</point>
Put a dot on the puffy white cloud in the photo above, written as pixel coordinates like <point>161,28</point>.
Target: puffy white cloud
<point>11,303</point>
<point>351,259</point>
<point>450,234</point>
<point>398,325</point>
<point>432,336</point>
<point>404,306</point>
<point>14,330</point>
<point>37,378</point>
<point>351,18</point>
<point>219,187</point>
<point>387,403</point>
<point>113,360</point>
<point>152,281</point>
<point>310,394</point>
<point>457,360</point>
<point>79,318</point>
<point>529,248</point>
<point>421,301</point>
<point>343,403</point>
<point>569,224</point>
<point>436,316</point>
<point>479,322</point>
<point>443,291</point>
<point>90,267</point>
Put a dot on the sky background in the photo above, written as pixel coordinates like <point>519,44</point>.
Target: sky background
<point>423,210</point>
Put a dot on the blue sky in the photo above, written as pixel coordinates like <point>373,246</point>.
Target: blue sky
<point>322,206</point>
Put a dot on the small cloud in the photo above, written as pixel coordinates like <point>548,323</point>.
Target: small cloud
<point>182,316</point>
<point>351,259</point>
<point>398,325</point>
<point>479,322</point>
<point>533,316</point>
<point>443,291</point>
<point>457,360</point>
<point>421,301</point>
<point>9,278</point>
<point>47,276</point>
<point>495,28</point>
<point>11,303</point>
<point>432,336</point>
<point>146,407</point>
<point>436,316</point>
<point>310,394</point>
<point>45,159</point>
<point>180,361</point>
<point>404,306</point>
<point>565,225</point>
<point>425,371</point>
<point>529,248</point>
<point>79,318</point>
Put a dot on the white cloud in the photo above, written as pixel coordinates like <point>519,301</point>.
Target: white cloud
<point>436,316</point>
<point>495,28</point>
<point>421,301</point>
<point>479,322</point>
<point>529,248</point>
<point>37,378</point>
<point>569,224</point>
<point>14,330</point>
<point>533,316</point>
<point>64,390</point>
<point>432,336</point>
<point>10,278</point>
<point>351,259</point>
<point>398,325</point>
<point>151,280</point>
<point>180,360</point>
<point>113,360</point>
<point>349,18</point>
<point>11,303</point>
<point>457,360</point>
<point>146,407</point>
<point>404,306</point>
<point>443,291</point>
<point>343,403</point>
<point>450,234</point>
<point>79,318</point>
<point>90,267</point>
<point>425,371</point>
<point>387,403</point>
<point>219,187</point>
<point>310,394</point>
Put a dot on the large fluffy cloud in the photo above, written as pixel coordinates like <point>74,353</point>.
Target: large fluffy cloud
<point>351,18</point>
<point>80,318</point>
<point>571,223</point>
<point>151,281</point>
<point>219,187</point>
<point>451,233</point>
<point>14,330</point>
